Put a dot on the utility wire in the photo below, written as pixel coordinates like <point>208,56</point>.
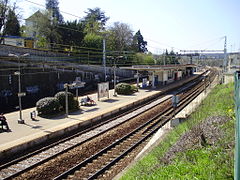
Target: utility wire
<point>207,42</point>
<point>157,42</point>
<point>81,31</point>
<point>59,10</point>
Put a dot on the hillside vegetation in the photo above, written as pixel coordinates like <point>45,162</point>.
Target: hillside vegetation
<point>200,148</point>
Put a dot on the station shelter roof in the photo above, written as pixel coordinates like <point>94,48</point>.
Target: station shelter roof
<point>160,67</point>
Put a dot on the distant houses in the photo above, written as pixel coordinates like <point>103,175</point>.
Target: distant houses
<point>31,23</point>
<point>30,40</point>
<point>27,42</point>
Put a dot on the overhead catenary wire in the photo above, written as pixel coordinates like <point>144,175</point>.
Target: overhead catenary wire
<point>160,43</point>
<point>207,42</point>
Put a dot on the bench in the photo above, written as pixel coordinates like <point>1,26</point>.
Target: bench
<point>86,102</point>
<point>83,101</point>
<point>1,125</point>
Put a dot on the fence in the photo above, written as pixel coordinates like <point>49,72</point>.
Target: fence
<point>237,136</point>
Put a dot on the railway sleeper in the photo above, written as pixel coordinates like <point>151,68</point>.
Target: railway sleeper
<point>71,177</point>
<point>108,155</point>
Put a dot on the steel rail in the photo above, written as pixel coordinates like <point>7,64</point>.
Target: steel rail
<point>40,162</point>
<point>88,129</point>
<point>82,164</point>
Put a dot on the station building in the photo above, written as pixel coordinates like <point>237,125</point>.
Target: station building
<point>162,74</point>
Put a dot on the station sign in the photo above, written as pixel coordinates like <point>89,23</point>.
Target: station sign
<point>77,84</point>
<point>21,94</point>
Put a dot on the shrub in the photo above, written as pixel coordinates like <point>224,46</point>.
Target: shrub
<point>134,89</point>
<point>125,89</point>
<point>47,106</point>
<point>72,103</point>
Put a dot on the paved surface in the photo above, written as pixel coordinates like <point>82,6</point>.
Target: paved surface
<point>42,126</point>
<point>32,130</point>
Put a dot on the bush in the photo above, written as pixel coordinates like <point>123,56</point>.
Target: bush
<point>47,106</point>
<point>134,89</point>
<point>125,89</point>
<point>72,103</point>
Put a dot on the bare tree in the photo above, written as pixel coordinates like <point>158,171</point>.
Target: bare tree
<point>4,7</point>
<point>121,36</point>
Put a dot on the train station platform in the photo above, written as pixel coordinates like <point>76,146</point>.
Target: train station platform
<point>34,132</point>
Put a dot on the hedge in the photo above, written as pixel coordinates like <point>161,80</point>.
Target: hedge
<point>125,89</point>
<point>48,105</point>
<point>72,103</point>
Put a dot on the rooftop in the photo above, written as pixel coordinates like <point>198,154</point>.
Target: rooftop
<point>159,67</point>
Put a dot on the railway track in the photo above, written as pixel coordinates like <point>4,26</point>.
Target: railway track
<point>97,166</point>
<point>16,168</point>
<point>13,169</point>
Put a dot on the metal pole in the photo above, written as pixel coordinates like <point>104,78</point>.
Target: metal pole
<point>77,93</point>
<point>164,59</point>
<point>225,55</point>
<point>66,98</point>
<point>21,121</point>
<point>114,82</point>
<point>237,133</point>
<point>104,58</point>
<point>137,79</point>
<point>153,79</point>
<point>20,94</point>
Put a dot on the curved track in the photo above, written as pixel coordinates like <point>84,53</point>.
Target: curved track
<point>97,165</point>
<point>14,169</point>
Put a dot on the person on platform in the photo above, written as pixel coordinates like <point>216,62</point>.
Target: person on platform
<point>88,99</point>
<point>4,121</point>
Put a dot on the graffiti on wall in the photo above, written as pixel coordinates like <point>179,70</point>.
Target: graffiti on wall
<point>6,93</point>
<point>32,89</point>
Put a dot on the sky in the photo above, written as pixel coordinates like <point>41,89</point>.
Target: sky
<point>165,24</point>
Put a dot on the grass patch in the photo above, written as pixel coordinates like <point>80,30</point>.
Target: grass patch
<point>213,161</point>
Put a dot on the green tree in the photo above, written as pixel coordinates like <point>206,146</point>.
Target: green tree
<point>143,59</point>
<point>72,33</point>
<point>169,58</point>
<point>139,45</point>
<point>96,15</point>
<point>172,57</point>
<point>52,7</point>
<point>93,41</point>
<point>95,21</point>
<point>12,24</point>
<point>92,27</point>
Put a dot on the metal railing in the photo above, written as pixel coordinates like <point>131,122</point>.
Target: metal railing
<point>237,133</point>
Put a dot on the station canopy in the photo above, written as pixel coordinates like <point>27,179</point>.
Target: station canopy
<point>160,67</point>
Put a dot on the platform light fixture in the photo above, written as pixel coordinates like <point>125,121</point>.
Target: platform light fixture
<point>20,94</point>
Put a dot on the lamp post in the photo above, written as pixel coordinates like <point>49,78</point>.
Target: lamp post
<point>66,98</point>
<point>114,81</point>
<point>20,94</point>
<point>114,74</point>
<point>75,84</point>
<point>104,59</point>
